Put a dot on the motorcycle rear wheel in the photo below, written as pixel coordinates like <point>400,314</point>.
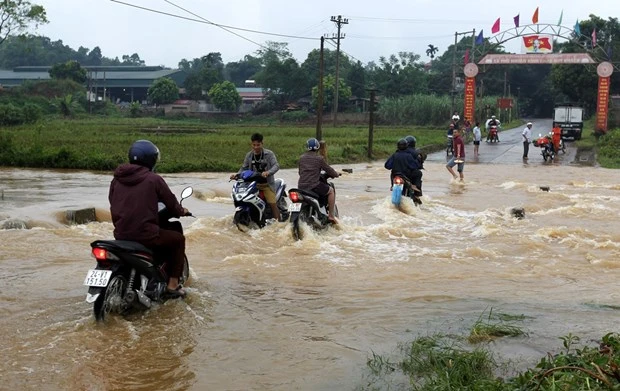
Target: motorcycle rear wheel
<point>112,299</point>
<point>296,220</point>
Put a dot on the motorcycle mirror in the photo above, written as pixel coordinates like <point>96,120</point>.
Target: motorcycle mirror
<point>187,192</point>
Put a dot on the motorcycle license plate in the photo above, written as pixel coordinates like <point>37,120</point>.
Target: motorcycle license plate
<point>294,207</point>
<point>96,277</point>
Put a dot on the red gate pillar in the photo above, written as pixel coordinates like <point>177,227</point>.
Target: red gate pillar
<point>469,105</point>
<point>604,71</point>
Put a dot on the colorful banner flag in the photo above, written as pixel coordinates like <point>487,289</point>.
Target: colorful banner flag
<point>516,20</point>
<point>594,37</point>
<point>535,16</point>
<point>560,20</point>
<point>480,38</point>
<point>495,28</point>
<point>577,28</point>
<point>466,59</point>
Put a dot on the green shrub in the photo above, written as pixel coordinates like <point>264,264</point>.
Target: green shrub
<point>295,116</point>
<point>10,115</point>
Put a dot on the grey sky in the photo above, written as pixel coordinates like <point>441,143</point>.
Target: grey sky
<point>375,29</point>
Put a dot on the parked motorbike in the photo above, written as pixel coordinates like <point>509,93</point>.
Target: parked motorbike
<point>129,276</point>
<point>249,201</point>
<point>547,148</point>
<point>310,208</point>
<point>402,187</point>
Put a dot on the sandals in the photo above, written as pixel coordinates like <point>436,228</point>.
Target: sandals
<point>179,292</point>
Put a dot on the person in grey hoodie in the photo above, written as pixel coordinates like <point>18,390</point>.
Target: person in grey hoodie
<point>262,160</point>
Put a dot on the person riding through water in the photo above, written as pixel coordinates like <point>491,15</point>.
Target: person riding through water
<point>416,174</point>
<point>134,195</point>
<point>311,163</point>
<point>492,122</point>
<point>402,163</point>
<point>263,161</point>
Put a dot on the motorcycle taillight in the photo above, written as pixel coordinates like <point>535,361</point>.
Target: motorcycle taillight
<point>398,180</point>
<point>294,196</point>
<point>103,255</point>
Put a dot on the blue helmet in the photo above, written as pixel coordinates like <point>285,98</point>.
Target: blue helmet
<point>144,153</point>
<point>312,144</point>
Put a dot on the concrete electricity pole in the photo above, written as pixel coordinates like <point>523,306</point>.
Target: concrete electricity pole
<point>339,22</point>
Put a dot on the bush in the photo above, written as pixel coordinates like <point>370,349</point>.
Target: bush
<point>10,115</point>
<point>295,116</point>
<point>264,107</point>
<point>31,113</point>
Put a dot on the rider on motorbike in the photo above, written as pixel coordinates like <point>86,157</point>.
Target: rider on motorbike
<point>402,162</point>
<point>134,195</point>
<point>311,163</point>
<point>416,174</point>
<point>493,121</point>
<point>264,161</point>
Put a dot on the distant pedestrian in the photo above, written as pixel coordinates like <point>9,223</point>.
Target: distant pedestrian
<point>477,138</point>
<point>458,157</point>
<point>527,138</point>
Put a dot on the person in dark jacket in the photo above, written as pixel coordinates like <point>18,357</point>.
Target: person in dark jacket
<point>134,195</point>
<point>402,162</point>
<point>311,163</point>
<point>416,174</point>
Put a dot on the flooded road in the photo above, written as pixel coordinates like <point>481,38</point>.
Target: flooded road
<point>265,312</point>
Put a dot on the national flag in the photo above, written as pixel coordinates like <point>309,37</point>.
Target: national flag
<point>577,28</point>
<point>535,16</point>
<point>466,56</point>
<point>495,28</point>
<point>516,20</point>
<point>560,20</point>
<point>529,42</point>
<point>594,37</point>
<point>480,38</point>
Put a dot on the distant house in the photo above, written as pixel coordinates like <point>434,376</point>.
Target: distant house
<point>250,96</point>
<point>117,83</point>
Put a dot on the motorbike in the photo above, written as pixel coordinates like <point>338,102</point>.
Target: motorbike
<point>449,146</point>
<point>250,205</point>
<point>547,148</point>
<point>493,134</point>
<point>310,208</point>
<point>129,276</point>
<point>401,186</point>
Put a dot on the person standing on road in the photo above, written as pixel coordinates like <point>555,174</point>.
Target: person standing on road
<point>527,137</point>
<point>477,138</point>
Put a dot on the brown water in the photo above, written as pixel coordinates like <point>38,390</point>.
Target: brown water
<point>265,312</point>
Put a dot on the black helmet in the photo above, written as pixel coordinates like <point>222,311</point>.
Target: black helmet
<point>312,144</point>
<point>144,153</point>
<point>410,141</point>
<point>402,144</point>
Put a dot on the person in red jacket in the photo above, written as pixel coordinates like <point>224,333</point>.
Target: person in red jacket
<point>134,195</point>
<point>556,136</point>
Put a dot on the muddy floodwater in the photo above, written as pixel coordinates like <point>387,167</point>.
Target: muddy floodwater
<point>266,312</point>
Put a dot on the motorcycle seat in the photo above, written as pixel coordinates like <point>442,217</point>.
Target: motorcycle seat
<point>309,193</point>
<point>122,245</point>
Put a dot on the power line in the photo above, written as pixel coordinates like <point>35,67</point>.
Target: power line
<point>205,21</point>
<point>425,21</point>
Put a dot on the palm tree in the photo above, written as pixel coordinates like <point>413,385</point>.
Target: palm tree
<point>432,49</point>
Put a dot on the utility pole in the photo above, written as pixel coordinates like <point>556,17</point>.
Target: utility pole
<point>456,34</point>
<point>319,104</point>
<point>371,120</point>
<point>339,22</point>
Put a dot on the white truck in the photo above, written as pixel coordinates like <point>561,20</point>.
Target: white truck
<point>570,119</point>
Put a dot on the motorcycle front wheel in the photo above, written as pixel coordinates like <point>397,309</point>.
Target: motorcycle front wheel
<point>242,220</point>
<point>112,300</point>
<point>185,275</point>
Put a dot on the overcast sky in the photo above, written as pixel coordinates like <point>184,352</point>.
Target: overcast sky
<point>375,28</point>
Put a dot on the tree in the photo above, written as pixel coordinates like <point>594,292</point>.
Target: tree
<point>432,49</point>
<point>17,15</point>
<point>134,59</point>
<point>329,90</point>
<point>202,74</point>
<point>163,91</point>
<point>240,71</point>
<point>69,70</point>
<point>224,96</point>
